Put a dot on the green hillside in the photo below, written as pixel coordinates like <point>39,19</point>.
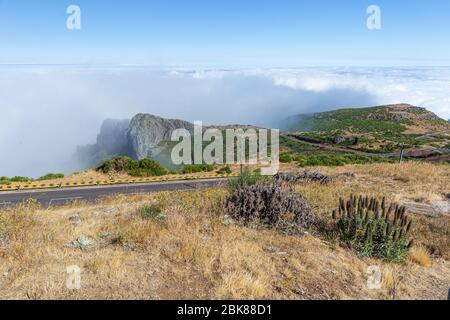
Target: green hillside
<point>381,131</point>
<point>392,118</point>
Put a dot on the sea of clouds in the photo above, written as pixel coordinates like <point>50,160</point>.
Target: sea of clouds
<point>46,111</point>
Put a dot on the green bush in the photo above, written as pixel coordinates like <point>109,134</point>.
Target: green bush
<point>245,179</point>
<point>4,180</point>
<point>371,229</point>
<point>285,157</point>
<point>148,167</point>
<point>193,168</point>
<point>225,170</point>
<point>136,168</point>
<point>51,176</point>
<point>20,179</point>
<point>151,211</point>
<point>118,164</point>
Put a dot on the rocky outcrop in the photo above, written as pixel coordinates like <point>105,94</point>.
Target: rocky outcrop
<point>146,131</point>
<point>137,138</point>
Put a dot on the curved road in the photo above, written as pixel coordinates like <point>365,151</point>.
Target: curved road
<point>54,197</point>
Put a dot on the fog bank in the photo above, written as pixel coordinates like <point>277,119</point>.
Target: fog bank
<point>47,111</point>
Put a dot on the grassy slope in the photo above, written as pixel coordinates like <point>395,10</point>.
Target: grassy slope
<point>193,255</point>
<point>381,129</point>
<point>356,120</point>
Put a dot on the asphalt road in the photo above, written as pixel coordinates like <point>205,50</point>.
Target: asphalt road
<point>54,197</point>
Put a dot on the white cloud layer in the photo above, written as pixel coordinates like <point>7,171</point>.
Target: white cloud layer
<point>47,111</point>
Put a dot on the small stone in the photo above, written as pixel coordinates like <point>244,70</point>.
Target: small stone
<point>441,207</point>
<point>129,246</point>
<point>75,219</point>
<point>298,291</point>
<point>161,217</point>
<point>105,235</point>
<point>276,250</point>
<point>110,210</point>
<point>81,242</point>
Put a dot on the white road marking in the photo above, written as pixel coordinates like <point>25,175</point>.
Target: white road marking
<point>4,203</point>
<point>65,199</point>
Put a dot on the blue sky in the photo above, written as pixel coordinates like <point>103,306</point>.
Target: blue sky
<point>226,33</point>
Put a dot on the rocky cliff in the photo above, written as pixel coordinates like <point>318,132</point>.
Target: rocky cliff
<point>137,138</point>
<point>146,131</point>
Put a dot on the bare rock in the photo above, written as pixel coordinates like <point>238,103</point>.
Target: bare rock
<point>441,207</point>
<point>147,131</point>
<point>75,219</point>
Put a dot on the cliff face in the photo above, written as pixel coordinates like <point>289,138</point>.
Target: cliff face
<point>146,131</point>
<point>137,138</point>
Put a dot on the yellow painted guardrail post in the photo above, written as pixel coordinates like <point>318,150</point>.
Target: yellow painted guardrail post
<point>118,181</point>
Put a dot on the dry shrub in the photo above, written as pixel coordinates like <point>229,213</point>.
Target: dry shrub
<point>420,256</point>
<point>302,177</point>
<point>434,234</point>
<point>270,205</point>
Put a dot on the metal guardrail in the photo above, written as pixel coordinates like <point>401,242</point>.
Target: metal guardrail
<point>113,182</point>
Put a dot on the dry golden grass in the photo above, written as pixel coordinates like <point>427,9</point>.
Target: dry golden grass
<point>190,254</point>
<point>420,256</point>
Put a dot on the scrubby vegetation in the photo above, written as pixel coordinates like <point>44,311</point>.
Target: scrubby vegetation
<point>49,176</point>
<point>189,251</point>
<point>285,157</point>
<point>309,155</point>
<point>270,204</point>
<point>357,119</point>
<point>334,160</point>
<point>246,178</point>
<point>136,168</point>
<point>150,211</point>
<point>302,177</point>
<point>194,168</point>
<point>377,130</point>
<point>372,229</point>
<point>226,169</point>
